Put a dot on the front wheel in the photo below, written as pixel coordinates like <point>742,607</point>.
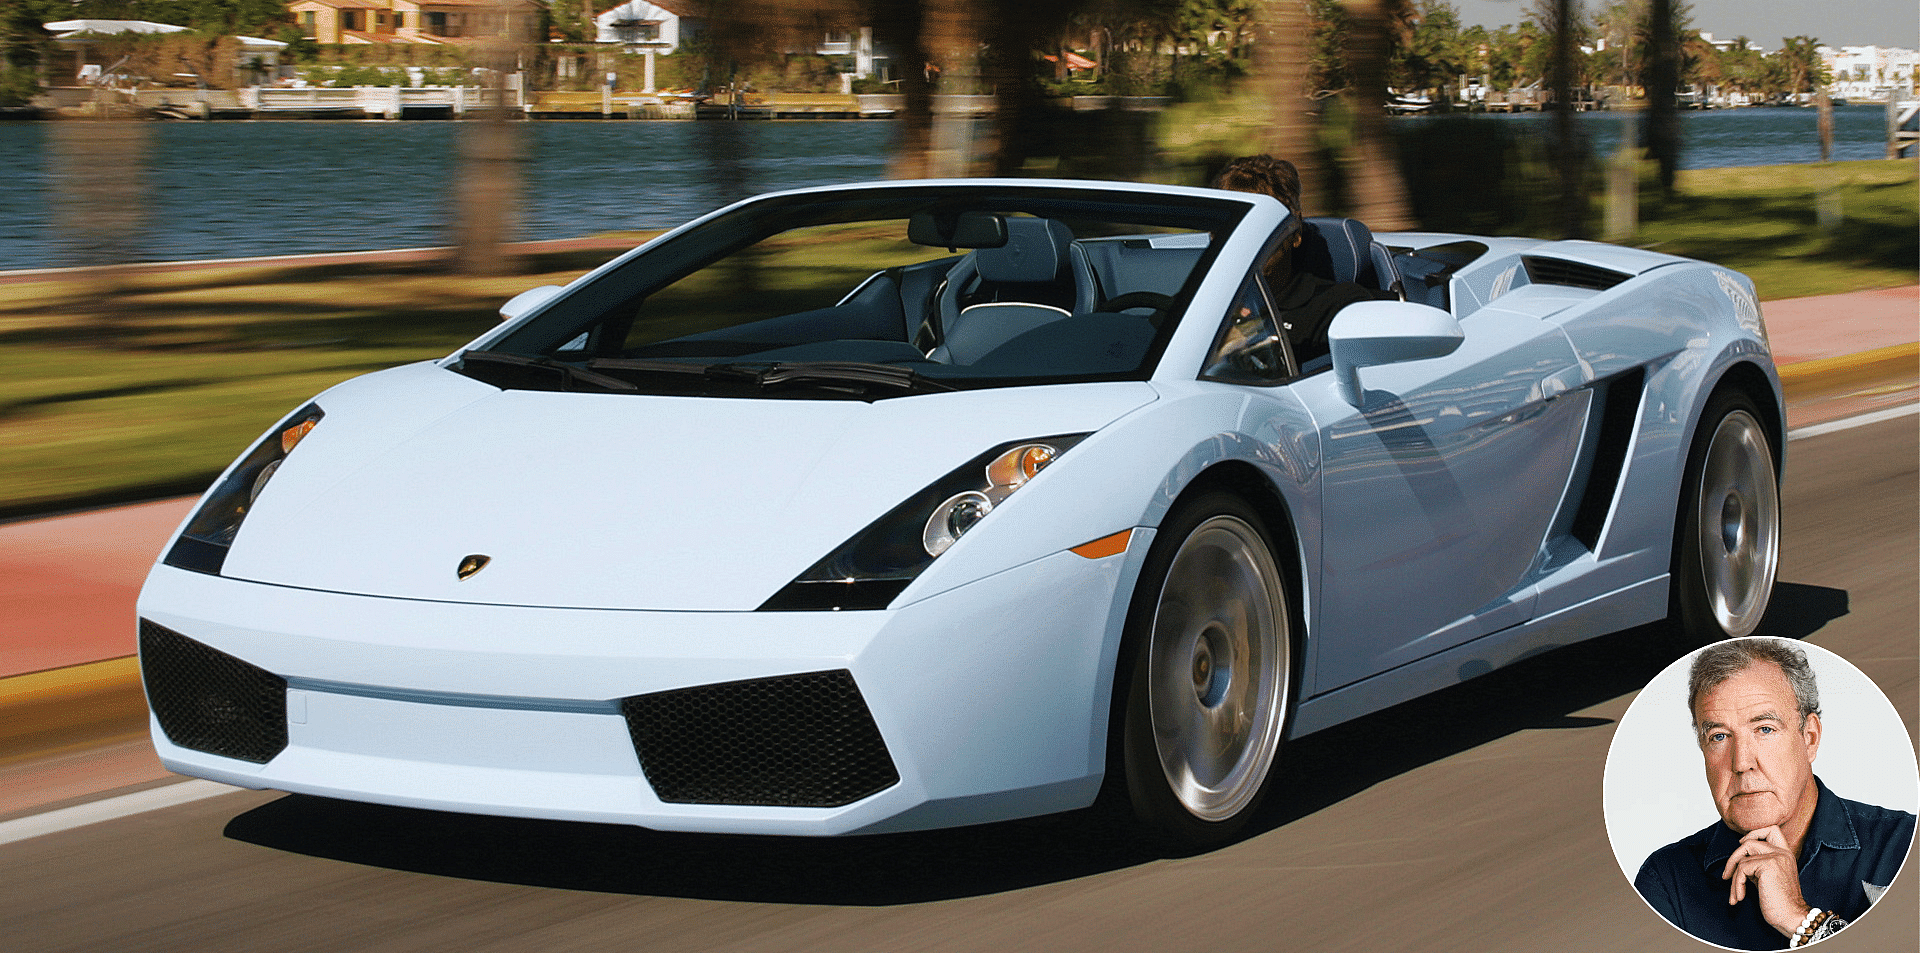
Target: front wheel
<point>1727,550</point>
<point>1211,674</point>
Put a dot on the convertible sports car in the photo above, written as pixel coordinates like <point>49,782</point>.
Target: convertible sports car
<point>915,504</point>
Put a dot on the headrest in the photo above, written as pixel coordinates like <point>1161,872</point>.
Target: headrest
<point>1337,248</point>
<point>1035,251</point>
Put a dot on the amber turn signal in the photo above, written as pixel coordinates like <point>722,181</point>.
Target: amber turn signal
<point>1105,546</point>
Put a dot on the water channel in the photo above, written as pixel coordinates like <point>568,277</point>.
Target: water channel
<point>240,189</point>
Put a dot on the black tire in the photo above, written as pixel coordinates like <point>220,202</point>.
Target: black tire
<point>1208,676</point>
<point>1726,547</point>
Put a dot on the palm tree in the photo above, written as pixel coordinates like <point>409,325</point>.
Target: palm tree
<point>1379,196</point>
<point>1281,67</point>
<point>1800,55</point>
<point>1561,19</point>
<point>1663,85</point>
<point>910,30</point>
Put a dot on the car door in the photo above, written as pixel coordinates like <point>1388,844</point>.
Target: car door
<point>1437,492</point>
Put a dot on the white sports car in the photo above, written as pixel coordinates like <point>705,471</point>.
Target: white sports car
<point>916,504</point>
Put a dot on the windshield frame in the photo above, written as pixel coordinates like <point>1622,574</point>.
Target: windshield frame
<point>628,281</point>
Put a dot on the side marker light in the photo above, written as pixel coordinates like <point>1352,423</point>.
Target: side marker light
<point>1105,546</point>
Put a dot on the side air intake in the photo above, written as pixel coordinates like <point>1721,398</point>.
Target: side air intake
<point>210,701</point>
<point>791,741</point>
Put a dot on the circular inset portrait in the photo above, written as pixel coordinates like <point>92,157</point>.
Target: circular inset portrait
<point>1760,794</point>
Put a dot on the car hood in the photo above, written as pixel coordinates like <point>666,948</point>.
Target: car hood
<point>613,501</point>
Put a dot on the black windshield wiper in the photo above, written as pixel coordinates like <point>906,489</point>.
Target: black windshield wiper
<point>673,369</point>
<point>855,378</point>
<point>848,376</point>
<point>567,374</point>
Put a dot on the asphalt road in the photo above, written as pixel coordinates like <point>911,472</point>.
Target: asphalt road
<point>1470,820</point>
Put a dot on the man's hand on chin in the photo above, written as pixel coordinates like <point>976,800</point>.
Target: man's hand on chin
<point>1763,860</point>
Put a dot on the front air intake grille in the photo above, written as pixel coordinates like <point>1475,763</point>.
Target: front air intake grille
<point>791,741</point>
<point>210,701</point>
<point>1571,274</point>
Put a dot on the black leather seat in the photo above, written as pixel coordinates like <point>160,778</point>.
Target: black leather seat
<point>997,294</point>
<point>1343,249</point>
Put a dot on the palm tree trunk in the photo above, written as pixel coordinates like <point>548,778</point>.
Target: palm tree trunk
<point>488,187</point>
<point>1379,195</point>
<point>905,27</point>
<point>1281,68</point>
<point>1568,156</point>
<point>1663,85</point>
<point>1007,66</point>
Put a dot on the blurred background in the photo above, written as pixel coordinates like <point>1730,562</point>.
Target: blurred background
<point>216,208</point>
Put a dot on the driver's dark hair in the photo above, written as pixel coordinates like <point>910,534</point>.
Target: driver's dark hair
<point>1265,175</point>
<point>1724,660</point>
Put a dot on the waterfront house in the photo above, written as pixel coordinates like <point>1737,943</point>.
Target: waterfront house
<point>416,21</point>
<point>1870,72</point>
<point>644,27</point>
<point>76,58</point>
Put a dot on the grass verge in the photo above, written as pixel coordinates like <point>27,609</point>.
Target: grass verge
<point>1766,221</point>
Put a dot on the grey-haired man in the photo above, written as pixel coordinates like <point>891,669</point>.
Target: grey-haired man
<point>1790,862</point>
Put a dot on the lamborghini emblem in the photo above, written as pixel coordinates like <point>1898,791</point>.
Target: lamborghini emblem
<point>472,564</point>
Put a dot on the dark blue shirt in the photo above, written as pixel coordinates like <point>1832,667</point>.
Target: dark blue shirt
<point>1849,846</point>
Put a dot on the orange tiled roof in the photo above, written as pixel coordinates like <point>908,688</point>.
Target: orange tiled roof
<point>349,4</point>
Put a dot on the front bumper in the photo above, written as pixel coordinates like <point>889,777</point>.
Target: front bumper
<point>991,700</point>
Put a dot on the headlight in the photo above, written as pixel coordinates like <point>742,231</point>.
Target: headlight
<point>1003,475</point>
<point>203,545</point>
<point>867,571</point>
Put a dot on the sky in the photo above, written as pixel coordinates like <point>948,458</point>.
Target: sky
<point>1834,22</point>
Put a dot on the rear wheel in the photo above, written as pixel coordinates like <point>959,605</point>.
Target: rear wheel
<point>1727,549</point>
<point>1211,674</point>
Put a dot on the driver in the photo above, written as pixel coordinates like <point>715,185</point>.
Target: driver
<point>1306,303</point>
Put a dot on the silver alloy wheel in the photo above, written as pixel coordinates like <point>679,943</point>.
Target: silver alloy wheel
<point>1217,668</point>
<point>1739,523</point>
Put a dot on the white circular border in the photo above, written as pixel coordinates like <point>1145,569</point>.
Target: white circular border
<point>1655,787</point>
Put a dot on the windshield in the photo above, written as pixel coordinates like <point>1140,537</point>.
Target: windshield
<point>877,293</point>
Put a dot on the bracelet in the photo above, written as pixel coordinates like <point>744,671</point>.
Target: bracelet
<point>1800,933</point>
<point>1813,926</point>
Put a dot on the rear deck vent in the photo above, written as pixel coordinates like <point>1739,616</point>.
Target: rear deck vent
<point>1571,274</point>
<point>210,701</point>
<point>791,741</point>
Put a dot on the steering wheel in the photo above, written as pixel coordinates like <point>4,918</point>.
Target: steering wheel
<point>1141,299</point>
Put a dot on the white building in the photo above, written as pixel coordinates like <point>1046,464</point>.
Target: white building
<point>1870,72</point>
<point>644,27</point>
<point>77,38</point>
<point>1727,46</point>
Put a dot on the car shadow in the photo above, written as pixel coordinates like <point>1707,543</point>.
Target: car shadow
<point>1316,772</point>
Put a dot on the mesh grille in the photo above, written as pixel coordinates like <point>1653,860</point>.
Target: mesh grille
<point>210,701</point>
<point>792,741</point>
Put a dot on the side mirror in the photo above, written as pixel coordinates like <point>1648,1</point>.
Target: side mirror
<point>1367,333</point>
<point>528,300</point>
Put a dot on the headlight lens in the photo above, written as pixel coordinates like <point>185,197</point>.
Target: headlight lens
<point>952,518</point>
<point>203,545</point>
<point>1004,474</point>
<point>867,571</point>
